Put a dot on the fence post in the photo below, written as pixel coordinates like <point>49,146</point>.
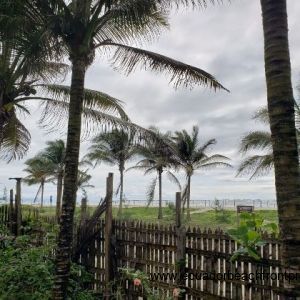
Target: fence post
<point>83,210</point>
<point>18,206</point>
<point>180,248</point>
<point>11,210</point>
<point>108,234</point>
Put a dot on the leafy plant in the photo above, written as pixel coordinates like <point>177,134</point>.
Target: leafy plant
<point>27,270</point>
<point>249,235</point>
<point>221,214</point>
<point>139,279</point>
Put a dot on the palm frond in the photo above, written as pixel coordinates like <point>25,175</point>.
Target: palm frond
<point>258,165</point>
<point>16,139</point>
<point>118,189</point>
<point>202,4</point>
<point>131,21</point>
<point>257,140</point>
<point>262,115</point>
<point>92,99</point>
<point>128,58</point>
<point>173,179</point>
<point>151,190</point>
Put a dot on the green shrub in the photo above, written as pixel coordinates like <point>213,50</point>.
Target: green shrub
<point>27,271</point>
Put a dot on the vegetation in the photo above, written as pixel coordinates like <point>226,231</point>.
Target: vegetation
<point>260,164</point>
<point>114,148</point>
<point>249,234</point>
<point>157,157</point>
<point>190,156</point>
<point>36,37</point>
<point>40,170</point>
<point>27,268</point>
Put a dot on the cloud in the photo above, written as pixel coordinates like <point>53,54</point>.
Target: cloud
<point>225,40</point>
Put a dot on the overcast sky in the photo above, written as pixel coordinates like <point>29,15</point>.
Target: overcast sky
<point>226,41</point>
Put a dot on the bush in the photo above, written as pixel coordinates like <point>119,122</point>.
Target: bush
<point>27,271</point>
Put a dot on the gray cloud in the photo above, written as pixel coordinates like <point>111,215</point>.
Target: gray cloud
<point>226,41</point>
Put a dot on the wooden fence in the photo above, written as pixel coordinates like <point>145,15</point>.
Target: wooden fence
<point>192,259</point>
<point>153,249</point>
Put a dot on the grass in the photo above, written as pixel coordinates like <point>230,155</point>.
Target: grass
<point>208,218</point>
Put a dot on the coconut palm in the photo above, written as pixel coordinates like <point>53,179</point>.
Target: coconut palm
<point>55,153</point>
<point>114,148</point>
<point>191,156</point>
<point>28,75</point>
<point>283,133</point>
<point>156,158</point>
<point>81,27</point>
<point>260,164</point>
<point>40,171</point>
<point>83,181</point>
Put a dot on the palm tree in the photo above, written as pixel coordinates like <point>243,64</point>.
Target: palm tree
<point>191,156</point>
<point>83,181</point>
<point>40,171</point>
<point>55,153</point>
<point>156,157</point>
<point>114,148</point>
<point>260,140</point>
<point>28,75</point>
<point>283,132</point>
<point>81,27</point>
<point>258,164</point>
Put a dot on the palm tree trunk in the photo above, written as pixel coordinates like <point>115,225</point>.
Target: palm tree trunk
<point>58,194</point>
<point>65,237</point>
<point>282,122</point>
<point>121,190</point>
<point>160,194</point>
<point>188,197</point>
<point>42,193</point>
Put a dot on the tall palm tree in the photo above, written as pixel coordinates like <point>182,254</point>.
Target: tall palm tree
<point>192,156</point>
<point>157,157</point>
<point>27,74</point>
<point>40,171</point>
<point>283,132</point>
<point>81,27</point>
<point>114,148</point>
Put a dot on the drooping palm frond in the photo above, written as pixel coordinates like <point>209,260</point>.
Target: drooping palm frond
<point>213,161</point>
<point>174,179</point>
<point>55,115</point>
<point>92,99</point>
<point>151,191</point>
<point>257,140</point>
<point>258,165</point>
<point>128,58</point>
<point>16,139</point>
